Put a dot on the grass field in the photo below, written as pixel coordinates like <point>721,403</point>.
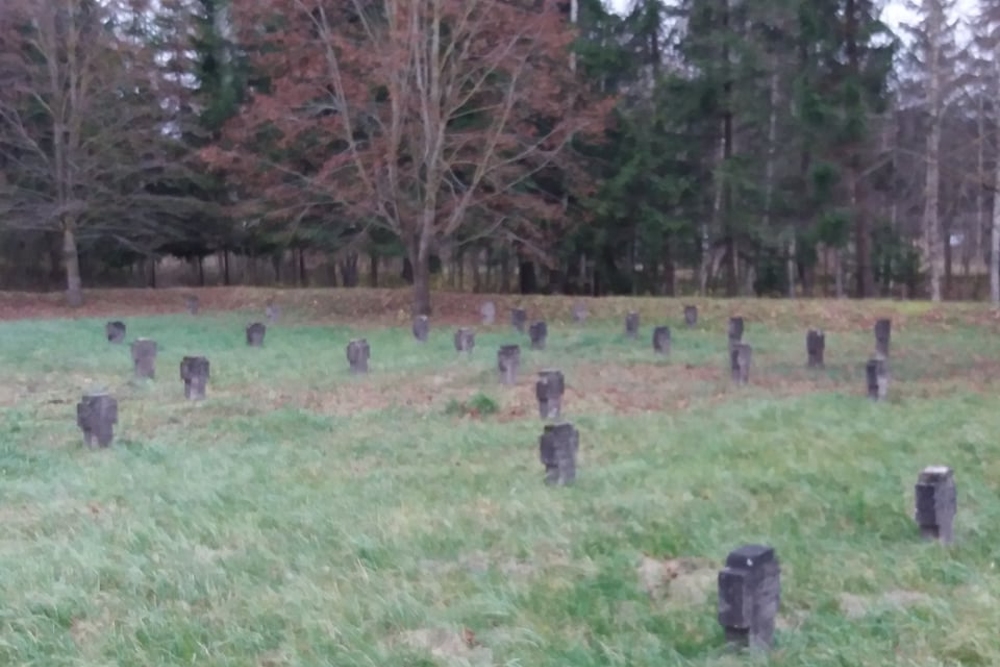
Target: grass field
<point>302,516</point>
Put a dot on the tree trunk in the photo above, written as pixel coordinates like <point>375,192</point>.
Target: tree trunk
<point>71,260</point>
<point>276,263</point>
<point>792,265</point>
<point>504,271</point>
<point>477,279</point>
<point>948,258</point>
<point>705,268</point>
<point>349,270</point>
<point>331,271</point>
<point>669,269</point>
<point>995,236</point>
<point>56,271</point>
<point>486,282</point>
<point>932,182</point>
<point>527,278</point>
<point>421,284</point>
<point>838,260</point>
<point>865,277</point>
<point>981,178</point>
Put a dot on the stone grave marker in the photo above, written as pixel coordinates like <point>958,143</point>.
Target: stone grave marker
<point>557,450</point>
<point>549,391</point>
<point>740,357</point>
<point>421,328</point>
<point>465,339</point>
<point>815,346</point>
<point>508,363</point>
<point>115,331</point>
<point>579,313</point>
<point>877,376</point>
<point>518,319</point>
<point>272,312</point>
<point>358,354</point>
<point>255,334</point>
<point>96,415</point>
<point>883,332</point>
<point>735,331</point>
<point>538,332</point>
<point>632,325</point>
<point>144,357</point>
<point>488,311</point>
<point>195,372</point>
<point>749,596</point>
<point>193,303</point>
<point>690,316</point>
<point>936,504</point>
<point>661,340</point>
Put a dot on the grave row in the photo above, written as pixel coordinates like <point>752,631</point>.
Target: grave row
<point>740,353</point>
<point>749,584</point>
<point>195,370</point>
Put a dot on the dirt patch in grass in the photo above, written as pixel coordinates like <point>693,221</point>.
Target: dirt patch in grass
<point>18,516</point>
<point>452,647</point>
<point>545,558</point>
<point>603,388</point>
<point>609,387</point>
<point>678,581</point>
<point>419,392</point>
<point>857,606</point>
<point>639,388</point>
<point>85,631</point>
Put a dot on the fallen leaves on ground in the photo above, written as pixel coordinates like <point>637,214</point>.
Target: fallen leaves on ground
<point>392,306</point>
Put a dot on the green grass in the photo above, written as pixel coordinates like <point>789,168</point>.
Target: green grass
<point>302,516</point>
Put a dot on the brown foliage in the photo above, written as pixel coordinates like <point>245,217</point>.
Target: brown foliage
<point>425,117</point>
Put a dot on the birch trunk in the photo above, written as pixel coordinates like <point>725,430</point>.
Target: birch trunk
<point>932,183</point>
<point>706,243</point>
<point>772,148</point>
<point>995,232</point>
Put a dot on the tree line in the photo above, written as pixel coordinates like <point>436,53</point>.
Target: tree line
<point>725,147</point>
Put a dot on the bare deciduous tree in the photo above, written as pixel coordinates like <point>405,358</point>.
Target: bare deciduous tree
<point>83,134</point>
<point>934,56</point>
<point>424,117</point>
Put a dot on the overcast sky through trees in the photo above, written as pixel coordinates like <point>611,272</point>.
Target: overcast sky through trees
<point>895,10</point>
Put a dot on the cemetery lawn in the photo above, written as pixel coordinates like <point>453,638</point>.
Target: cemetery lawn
<point>304,517</point>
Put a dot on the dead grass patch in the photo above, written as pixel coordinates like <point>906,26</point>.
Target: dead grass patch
<point>544,558</point>
<point>681,581</point>
<point>392,306</point>
<point>413,391</point>
<point>857,606</point>
<point>452,647</point>
<point>603,388</point>
<point>88,630</point>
